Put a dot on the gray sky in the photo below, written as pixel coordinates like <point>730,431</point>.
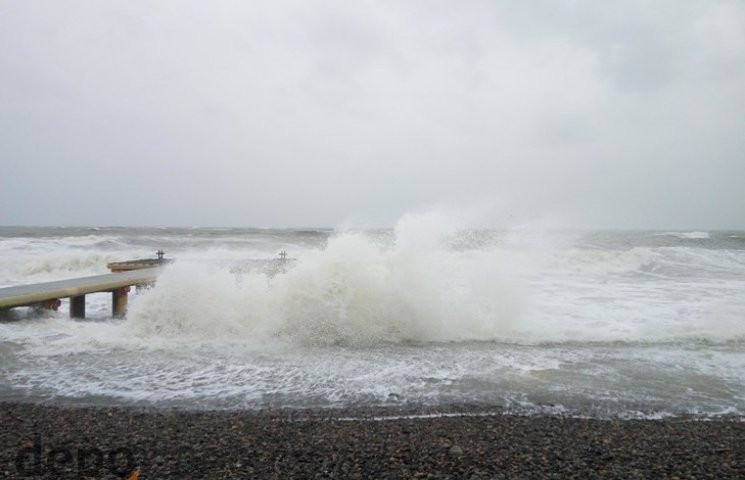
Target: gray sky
<point>319,113</point>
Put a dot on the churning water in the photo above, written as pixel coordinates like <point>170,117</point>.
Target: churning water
<point>594,323</point>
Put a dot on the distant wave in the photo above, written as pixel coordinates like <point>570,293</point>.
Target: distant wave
<point>686,235</point>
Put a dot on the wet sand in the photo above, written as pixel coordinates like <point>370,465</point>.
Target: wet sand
<point>93,442</point>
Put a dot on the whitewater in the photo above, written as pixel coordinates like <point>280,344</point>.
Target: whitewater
<point>594,323</point>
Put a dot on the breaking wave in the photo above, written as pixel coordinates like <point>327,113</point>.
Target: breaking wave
<point>355,291</point>
<point>600,323</point>
<point>687,235</point>
<point>418,287</point>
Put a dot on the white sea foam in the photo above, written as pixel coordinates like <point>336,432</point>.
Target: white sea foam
<point>358,291</point>
<point>609,324</point>
<point>354,291</point>
<point>687,235</point>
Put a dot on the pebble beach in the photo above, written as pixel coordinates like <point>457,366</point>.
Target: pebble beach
<point>42,441</point>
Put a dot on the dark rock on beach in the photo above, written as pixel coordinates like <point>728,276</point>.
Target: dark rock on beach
<point>55,442</point>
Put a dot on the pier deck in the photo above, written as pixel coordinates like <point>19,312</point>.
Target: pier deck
<point>76,288</point>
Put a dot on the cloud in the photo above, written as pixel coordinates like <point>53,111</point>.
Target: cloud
<point>292,113</point>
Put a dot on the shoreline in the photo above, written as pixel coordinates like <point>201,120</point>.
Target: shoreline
<point>52,441</point>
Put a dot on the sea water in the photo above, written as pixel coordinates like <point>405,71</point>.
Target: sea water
<point>599,323</point>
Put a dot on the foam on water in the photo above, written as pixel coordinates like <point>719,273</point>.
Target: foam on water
<point>687,235</point>
<point>359,291</point>
<point>622,324</point>
<point>353,292</point>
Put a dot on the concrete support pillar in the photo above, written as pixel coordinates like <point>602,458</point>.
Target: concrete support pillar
<point>77,306</point>
<point>119,301</point>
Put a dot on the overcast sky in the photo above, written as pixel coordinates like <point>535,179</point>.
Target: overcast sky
<point>320,113</point>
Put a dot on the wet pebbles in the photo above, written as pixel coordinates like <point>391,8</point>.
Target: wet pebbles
<point>54,442</point>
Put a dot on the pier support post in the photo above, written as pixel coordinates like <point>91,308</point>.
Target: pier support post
<point>119,302</point>
<point>77,306</point>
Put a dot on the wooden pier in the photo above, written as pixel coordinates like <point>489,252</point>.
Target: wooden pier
<point>48,294</point>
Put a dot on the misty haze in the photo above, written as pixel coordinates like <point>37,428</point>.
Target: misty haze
<point>372,239</point>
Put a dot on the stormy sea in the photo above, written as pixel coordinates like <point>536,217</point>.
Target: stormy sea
<point>590,324</point>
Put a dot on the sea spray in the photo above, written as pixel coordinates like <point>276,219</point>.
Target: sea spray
<point>354,291</point>
<point>619,324</point>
